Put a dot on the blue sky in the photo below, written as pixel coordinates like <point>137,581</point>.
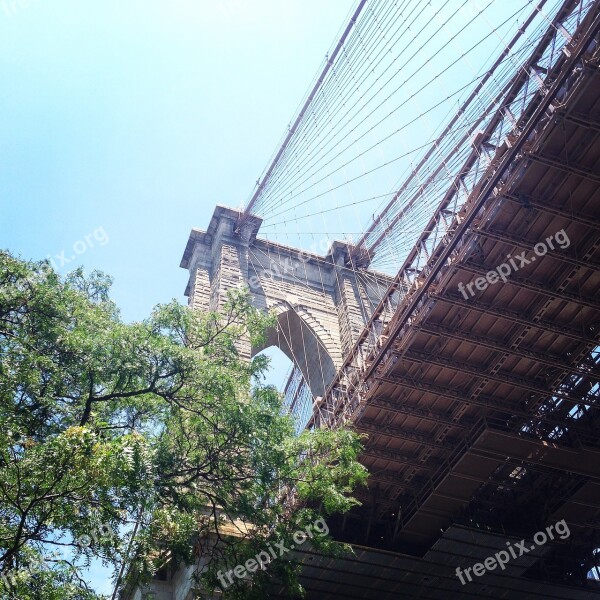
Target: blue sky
<point>134,118</point>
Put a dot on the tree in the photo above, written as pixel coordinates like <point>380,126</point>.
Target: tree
<point>144,443</point>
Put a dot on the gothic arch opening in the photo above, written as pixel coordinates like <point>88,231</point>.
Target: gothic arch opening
<point>301,344</point>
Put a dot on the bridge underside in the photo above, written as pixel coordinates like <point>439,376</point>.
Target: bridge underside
<point>380,575</point>
<point>483,407</point>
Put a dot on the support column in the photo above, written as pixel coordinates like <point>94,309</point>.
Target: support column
<point>218,262</point>
<point>199,297</point>
<point>349,302</point>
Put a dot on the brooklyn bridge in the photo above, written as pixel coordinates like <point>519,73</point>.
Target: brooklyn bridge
<point>459,328</point>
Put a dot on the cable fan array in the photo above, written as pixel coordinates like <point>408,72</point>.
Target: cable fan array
<point>391,118</point>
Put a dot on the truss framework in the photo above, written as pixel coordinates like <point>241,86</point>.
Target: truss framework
<point>488,405</point>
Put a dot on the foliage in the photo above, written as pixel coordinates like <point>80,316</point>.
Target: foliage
<point>158,429</point>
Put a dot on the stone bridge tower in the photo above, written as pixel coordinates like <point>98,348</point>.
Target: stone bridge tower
<point>322,302</point>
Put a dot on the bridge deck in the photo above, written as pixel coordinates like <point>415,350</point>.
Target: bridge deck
<point>481,403</point>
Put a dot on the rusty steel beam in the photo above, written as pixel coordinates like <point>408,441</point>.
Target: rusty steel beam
<point>398,457</point>
<point>459,396</point>
<point>529,245</point>
<point>472,445</point>
<point>514,317</point>
<point>435,329</point>
<point>417,485</point>
<point>481,400</point>
<point>416,411</point>
<point>401,433</point>
<point>580,120</point>
<point>584,465</point>
<point>560,165</point>
<point>538,288</point>
<point>477,371</point>
<point>392,478</point>
<point>525,202</point>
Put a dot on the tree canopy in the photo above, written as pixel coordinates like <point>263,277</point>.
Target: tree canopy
<point>144,444</point>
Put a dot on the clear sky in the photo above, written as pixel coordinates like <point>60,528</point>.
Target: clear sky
<point>127,121</point>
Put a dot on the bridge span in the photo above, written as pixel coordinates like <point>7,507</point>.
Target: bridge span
<point>474,367</point>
